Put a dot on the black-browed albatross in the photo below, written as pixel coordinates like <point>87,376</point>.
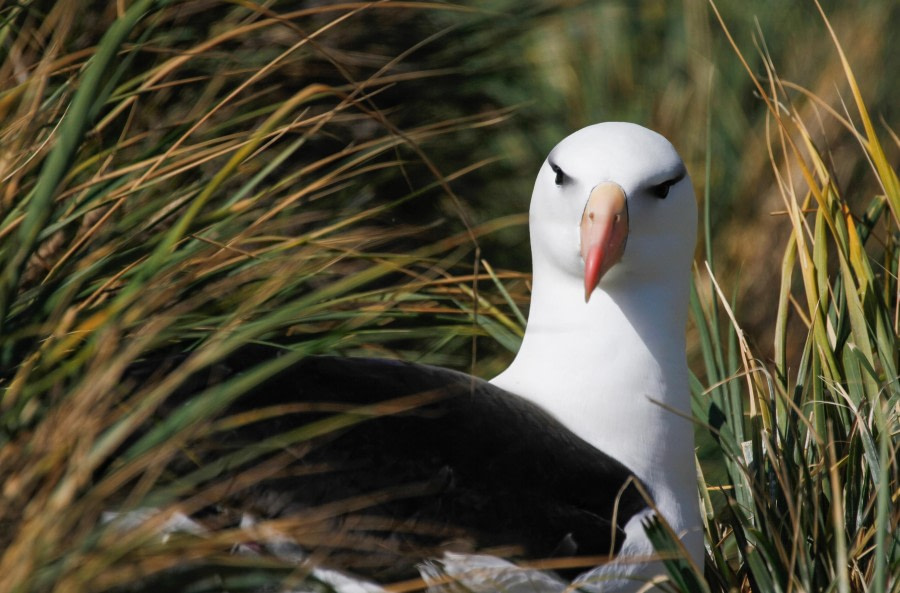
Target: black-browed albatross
<point>549,458</point>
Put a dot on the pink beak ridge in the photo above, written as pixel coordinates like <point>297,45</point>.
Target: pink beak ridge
<point>604,230</point>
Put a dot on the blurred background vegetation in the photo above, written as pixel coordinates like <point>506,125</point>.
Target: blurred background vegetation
<point>188,176</point>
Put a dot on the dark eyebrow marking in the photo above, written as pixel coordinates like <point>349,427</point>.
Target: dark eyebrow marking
<point>681,175</point>
<point>560,174</point>
<point>661,190</point>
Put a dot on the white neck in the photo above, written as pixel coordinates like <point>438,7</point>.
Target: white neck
<point>618,372</point>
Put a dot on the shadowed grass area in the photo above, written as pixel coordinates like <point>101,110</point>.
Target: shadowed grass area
<point>190,177</point>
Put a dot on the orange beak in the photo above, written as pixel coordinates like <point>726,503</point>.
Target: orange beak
<point>604,229</point>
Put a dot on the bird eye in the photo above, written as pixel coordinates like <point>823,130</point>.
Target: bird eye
<point>560,176</point>
<point>661,191</point>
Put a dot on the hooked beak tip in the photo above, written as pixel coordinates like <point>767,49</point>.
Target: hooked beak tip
<point>593,261</point>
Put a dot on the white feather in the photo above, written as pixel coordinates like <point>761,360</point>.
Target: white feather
<point>614,370</point>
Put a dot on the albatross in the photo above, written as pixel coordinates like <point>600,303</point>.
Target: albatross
<point>564,454</point>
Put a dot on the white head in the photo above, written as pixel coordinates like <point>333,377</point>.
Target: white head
<point>613,205</point>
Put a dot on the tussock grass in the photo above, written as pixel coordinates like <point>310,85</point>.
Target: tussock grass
<point>189,177</point>
<point>802,476</point>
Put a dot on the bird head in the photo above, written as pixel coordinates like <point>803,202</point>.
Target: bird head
<point>612,204</point>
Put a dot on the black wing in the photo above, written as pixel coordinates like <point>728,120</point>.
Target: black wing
<point>426,459</point>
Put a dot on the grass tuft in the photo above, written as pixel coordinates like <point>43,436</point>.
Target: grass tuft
<point>804,467</point>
